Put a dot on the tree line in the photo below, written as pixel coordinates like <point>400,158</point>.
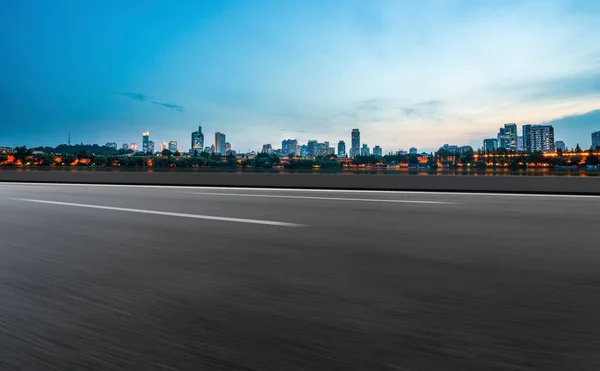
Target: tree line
<point>442,157</point>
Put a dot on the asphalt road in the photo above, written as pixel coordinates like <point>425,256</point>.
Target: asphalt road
<point>174,278</point>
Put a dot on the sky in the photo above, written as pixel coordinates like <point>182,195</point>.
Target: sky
<point>406,73</point>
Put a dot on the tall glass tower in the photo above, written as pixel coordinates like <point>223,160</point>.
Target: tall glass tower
<point>355,147</point>
<point>197,140</point>
<point>341,149</point>
<point>145,142</point>
<point>220,143</point>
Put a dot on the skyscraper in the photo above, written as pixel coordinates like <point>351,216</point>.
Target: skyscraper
<point>412,151</point>
<point>304,151</point>
<point>377,151</point>
<point>145,141</point>
<point>341,149</point>
<point>365,151</point>
<point>150,148</point>
<point>490,144</point>
<point>520,145</point>
<point>596,139</point>
<point>527,138</point>
<point>313,148</point>
<point>173,146</point>
<point>560,145</point>
<point>220,143</point>
<point>197,140</point>
<point>227,147</point>
<point>290,147</point>
<point>355,147</point>
<point>322,149</point>
<point>507,137</point>
<point>540,138</point>
<point>163,146</point>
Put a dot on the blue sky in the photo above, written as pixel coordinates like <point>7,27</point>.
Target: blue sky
<point>407,73</point>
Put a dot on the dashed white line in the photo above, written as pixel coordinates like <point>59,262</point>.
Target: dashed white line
<point>321,198</point>
<point>166,213</point>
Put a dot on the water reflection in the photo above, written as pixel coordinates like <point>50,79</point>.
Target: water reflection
<point>361,171</point>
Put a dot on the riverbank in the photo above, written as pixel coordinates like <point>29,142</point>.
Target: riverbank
<point>566,171</point>
<point>580,185</point>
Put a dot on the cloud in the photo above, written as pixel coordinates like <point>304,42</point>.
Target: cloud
<point>568,127</point>
<point>393,110</point>
<point>136,96</point>
<point>171,106</point>
<point>584,83</point>
<point>145,98</point>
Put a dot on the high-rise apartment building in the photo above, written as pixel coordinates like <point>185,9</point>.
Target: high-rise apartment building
<point>539,138</point>
<point>520,145</point>
<point>197,140</point>
<point>163,146</point>
<point>322,148</point>
<point>490,144</point>
<point>313,148</point>
<point>527,138</point>
<point>145,140</point>
<point>304,151</point>
<point>355,145</point>
<point>596,139</point>
<point>290,147</point>
<point>341,149</point>
<point>220,143</point>
<point>267,148</point>
<point>377,151</point>
<point>507,137</point>
<point>173,146</point>
<point>365,151</point>
<point>150,147</point>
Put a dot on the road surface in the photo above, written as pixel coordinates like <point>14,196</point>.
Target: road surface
<point>176,278</point>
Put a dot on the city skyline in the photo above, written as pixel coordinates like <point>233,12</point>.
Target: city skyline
<point>408,74</point>
<point>533,138</point>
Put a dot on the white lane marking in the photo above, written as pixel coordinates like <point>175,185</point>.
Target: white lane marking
<point>304,190</point>
<point>166,213</point>
<point>321,198</point>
